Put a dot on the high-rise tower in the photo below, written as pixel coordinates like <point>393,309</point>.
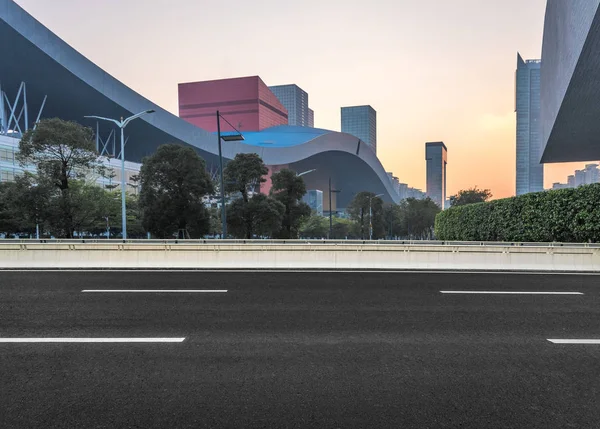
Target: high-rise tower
<point>530,172</point>
<point>436,155</point>
<point>361,122</point>
<point>295,100</point>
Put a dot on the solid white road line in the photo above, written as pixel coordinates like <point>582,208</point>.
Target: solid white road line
<point>575,341</point>
<point>151,291</point>
<point>91,340</point>
<point>464,292</point>
<point>295,271</point>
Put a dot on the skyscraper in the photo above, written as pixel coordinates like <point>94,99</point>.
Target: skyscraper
<point>579,178</point>
<point>314,198</point>
<point>311,118</point>
<point>436,155</point>
<point>295,100</point>
<point>530,173</point>
<point>592,174</point>
<point>361,122</point>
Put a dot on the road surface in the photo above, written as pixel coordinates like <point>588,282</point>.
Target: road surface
<point>296,350</point>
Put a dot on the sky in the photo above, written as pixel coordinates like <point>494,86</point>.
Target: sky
<point>435,70</point>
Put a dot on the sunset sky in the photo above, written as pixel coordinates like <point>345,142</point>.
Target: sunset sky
<point>433,69</point>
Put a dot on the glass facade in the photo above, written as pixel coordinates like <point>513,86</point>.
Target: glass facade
<point>361,122</point>
<point>529,170</point>
<point>295,100</point>
<point>436,155</point>
<point>314,199</point>
<point>9,167</point>
<point>8,164</point>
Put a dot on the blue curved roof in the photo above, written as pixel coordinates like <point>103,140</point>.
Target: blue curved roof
<point>281,136</point>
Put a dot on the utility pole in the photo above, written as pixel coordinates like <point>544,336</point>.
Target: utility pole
<point>336,191</point>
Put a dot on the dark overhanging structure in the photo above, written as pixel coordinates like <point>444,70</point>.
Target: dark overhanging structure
<point>570,82</point>
<point>74,87</point>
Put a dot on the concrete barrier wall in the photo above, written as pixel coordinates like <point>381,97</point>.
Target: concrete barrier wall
<point>296,256</point>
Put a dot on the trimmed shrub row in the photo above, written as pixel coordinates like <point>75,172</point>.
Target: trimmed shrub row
<point>565,216</point>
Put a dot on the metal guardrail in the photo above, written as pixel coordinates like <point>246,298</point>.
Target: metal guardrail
<point>213,242</point>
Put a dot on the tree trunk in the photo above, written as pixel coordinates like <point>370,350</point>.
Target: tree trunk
<point>67,220</point>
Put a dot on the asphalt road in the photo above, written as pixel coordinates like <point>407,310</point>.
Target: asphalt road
<point>292,350</point>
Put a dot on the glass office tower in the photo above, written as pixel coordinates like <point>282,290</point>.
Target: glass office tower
<point>295,100</point>
<point>314,199</point>
<point>436,155</point>
<point>530,172</point>
<point>361,122</point>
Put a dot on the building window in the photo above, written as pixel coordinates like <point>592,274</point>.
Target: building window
<point>7,155</point>
<point>7,176</point>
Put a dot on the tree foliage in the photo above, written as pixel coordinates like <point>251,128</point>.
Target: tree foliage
<point>365,210</point>
<point>260,216</point>
<point>566,215</point>
<point>10,215</point>
<point>244,173</point>
<point>470,196</point>
<point>314,226</point>
<point>63,152</point>
<point>419,217</point>
<point>394,217</point>
<point>288,188</point>
<point>173,183</point>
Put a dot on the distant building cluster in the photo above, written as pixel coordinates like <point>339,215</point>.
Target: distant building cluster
<point>250,105</point>
<point>404,191</point>
<point>588,176</point>
<point>247,103</point>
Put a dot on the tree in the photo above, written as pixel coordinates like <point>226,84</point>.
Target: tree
<point>62,151</point>
<point>288,188</point>
<point>359,210</point>
<point>33,198</point>
<point>108,173</point>
<point>135,225</point>
<point>394,220</point>
<point>419,217</point>
<point>342,229</point>
<point>470,196</point>
<point>216,224</point>
<point>244,173</point>
<point>314,226</point>
<point>10,218</point>
<point>111,219</point>
<point>173,183</point>
<point>261,216</point>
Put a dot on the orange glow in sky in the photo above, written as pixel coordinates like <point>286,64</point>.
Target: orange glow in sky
<point>433,69</point>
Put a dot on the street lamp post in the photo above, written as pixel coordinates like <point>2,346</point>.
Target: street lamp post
<point>371,215</point>
<point>122,124</point>
<point>37,220</point>
<point>331,208</point>
<point>227,138</point>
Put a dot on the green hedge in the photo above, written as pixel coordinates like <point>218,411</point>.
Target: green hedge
<point>566,216</point>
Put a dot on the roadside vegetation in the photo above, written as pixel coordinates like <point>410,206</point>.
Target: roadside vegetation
<point>565,216</point>
<point>174,197</point>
